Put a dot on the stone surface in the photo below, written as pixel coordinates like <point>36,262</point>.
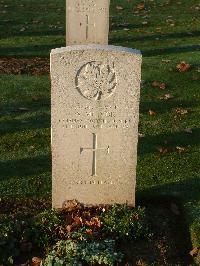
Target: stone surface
<point>95,110</point>
<point>87,21</point>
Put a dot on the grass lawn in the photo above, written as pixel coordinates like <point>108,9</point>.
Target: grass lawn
<point>167,32</point>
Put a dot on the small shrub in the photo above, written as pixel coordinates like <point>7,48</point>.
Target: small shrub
<point>70,252</point>
<point>125,222</point>
<point>45,227</point>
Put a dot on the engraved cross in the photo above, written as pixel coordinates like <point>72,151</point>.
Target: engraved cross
<point>87,26</point>
<point>94,150</point>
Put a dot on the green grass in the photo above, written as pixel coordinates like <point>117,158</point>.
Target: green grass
<point>25,136</point>
<point>25,159</point>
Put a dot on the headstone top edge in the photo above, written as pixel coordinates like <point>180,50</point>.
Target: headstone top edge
<point>95,47</point>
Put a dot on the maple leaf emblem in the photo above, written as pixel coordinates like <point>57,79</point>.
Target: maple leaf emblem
<point>96,81</point>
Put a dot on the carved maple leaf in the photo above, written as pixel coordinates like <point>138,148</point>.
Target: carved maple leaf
<point>96,81</point>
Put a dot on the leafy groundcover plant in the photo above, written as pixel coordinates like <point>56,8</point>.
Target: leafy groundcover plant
<point>74,236</point>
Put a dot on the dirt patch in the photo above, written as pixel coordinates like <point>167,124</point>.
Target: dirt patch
<point>169,244</point>
<point>28,66</point>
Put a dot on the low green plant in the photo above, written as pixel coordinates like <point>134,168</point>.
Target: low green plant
<point>125,222</point>
<point>45,227</point>
<point>10,232</point>
<point>71,252</point>
<point>195,231</point>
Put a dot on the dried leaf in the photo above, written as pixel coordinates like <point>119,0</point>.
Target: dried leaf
<point>119,8</point>
<point>162,86</point>
<point>78,220</point>
<point>188,130</point>
<point>163,150</point>
<point>194,252</point>
<point>22,29</point>
<point>94,222</point>
<point>141,135</point>
<point>36,261</point>
<point>183,67</point>
<point>166,61</point>
<point>141,6</point>
<point>70,205</point>
<point>166,97</point>
<point>144,22</point>
<point>152,113</point>
<point>181,111</point>
<point>180,149</point>
<point>89,232</point>
<point>69,228</point>
<point>158,84</point>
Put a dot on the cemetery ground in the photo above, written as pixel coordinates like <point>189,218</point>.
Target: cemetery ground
<point>168,172</point>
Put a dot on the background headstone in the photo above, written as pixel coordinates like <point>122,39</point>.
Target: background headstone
<point>95,110</point>
<point>87,21</point>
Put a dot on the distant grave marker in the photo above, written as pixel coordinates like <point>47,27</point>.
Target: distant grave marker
<point>87,21</point>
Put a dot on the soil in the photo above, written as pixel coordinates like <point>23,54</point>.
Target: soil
<point>169,244</point>
<point>28,66</point>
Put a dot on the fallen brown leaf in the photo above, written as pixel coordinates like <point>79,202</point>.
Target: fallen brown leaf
<point>183,67</point>
<point>78,220</point>
<point>94,222</point>
<point>158,84</point>
<point>119,8</point>
<point>166,97</point>
<point>163,150</point>
<point>180,149</point>
<point>162,86</point>
<point>69,228</point>
<point>152,113</point>
<point>36,261</point>
<point>194,252</point>
<point>181,111</point>
<point>89,232</point>
<point>166,61</point>
<point>141,6</point>
<point>70,205</point>
<point>140,135</point>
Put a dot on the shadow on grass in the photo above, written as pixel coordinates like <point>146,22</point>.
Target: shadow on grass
<point>166,106</point>
<point>181,191</point>
<point>171,50</point>
<point>27,110</point>
<point>36,122</point>
<point>177,220</point>
<point>150,144</point>
<point>33,33</point>
<point>25,167</point>
<point>151,37</point>
<point>44,50</point>
<point>39,50</point>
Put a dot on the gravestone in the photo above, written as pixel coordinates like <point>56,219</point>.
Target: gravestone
<point>87,21</point>
<point>95,112</point>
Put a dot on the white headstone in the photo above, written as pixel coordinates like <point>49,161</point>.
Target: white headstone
<point>95,112</point>
<point>87,21</point>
